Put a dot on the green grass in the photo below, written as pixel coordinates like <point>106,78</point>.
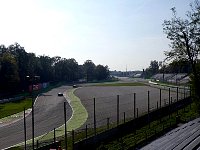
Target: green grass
<point>80,114</point>
<point>120,84</point>
<point>141,135</point>
<point>11,108</point>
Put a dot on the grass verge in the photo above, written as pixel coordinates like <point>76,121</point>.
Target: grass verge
<point>78,118</point>
<point>11,108</point>
<point>80,115</point>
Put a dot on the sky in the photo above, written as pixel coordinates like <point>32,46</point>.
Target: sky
<point>118,33</point>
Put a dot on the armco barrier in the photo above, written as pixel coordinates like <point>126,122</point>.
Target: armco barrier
<point>14,99</point>
<point>35,87</point>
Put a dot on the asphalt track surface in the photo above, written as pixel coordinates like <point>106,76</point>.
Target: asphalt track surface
<point>49,114</point>
<point>106,101</point>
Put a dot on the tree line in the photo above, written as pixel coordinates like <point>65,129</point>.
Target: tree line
<point>184,36</point>
<point>16,65</point>
<point>176,66</point>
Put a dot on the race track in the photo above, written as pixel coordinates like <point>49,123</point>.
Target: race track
<point>49,114</point>
<point>106,101</point>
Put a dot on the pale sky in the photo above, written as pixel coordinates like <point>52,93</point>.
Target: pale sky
<point>117,33</point>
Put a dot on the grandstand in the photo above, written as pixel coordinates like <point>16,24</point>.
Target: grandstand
<point>177,78</point>
<point>157,77</point>
<point>180,78</point>
<point>185,80</point>
<point>185,137</point>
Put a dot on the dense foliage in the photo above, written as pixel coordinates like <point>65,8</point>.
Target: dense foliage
<point>152,69</point>
<point>184,34</point>
<point>174,67</point>
<point>177,66</point>
<point>16,65</point>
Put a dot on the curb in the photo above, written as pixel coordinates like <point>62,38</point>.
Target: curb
<point>15,117</point>
<point>61,128</point>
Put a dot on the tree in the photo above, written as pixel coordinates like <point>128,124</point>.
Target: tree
<point>180,66</point>
<point>184,35</point>
<point>16,64</point>
<point>3,49</point>
<point>152,70</point>
<point>72,69</point>
<point>80,72</point>
<point>102,72</point>
<point>154,67</point>
<point>44,68</point>
<point>21,56</point>
<point>9,77</point>
<point>89,70</point>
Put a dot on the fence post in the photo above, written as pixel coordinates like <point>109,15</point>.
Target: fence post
<point>177,100</point>
<point>169,103</point>
<point>177,94</point>
<point>117,110</point>
<point>157,105</point>
<point>134,105</point>
<point>24,129</point>
<point>94,117</point>
<point>86,130</point>
<point>73,139</point>
<point>160,98</point>
<point>33,124</point>
<point>184,92</point>
<point>108,123</point>
<point>65,121</point>
<point>148,110</point>
<point>54,135</point>
<point>146,136</point>
<point>37,144</point>
<point>124,117</point>
<point>160,105</point>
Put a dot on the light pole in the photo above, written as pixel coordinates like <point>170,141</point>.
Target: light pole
<point>163,66</point>
<point>24,129</point>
